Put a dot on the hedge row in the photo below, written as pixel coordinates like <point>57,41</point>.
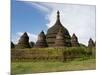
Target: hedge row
<point>50,54</point>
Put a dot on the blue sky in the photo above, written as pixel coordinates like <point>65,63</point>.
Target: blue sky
<point>33,17</point>
<point>26,18</point>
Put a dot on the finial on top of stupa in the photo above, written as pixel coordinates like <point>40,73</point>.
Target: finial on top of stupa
<point>58,14</point>
<point>42,32</point>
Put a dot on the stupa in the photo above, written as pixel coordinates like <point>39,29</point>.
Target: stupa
<point>53,31</point>
<point>91,43</point>
<point>41,42</point>
<point>23,41</point>
<point>74,41</point>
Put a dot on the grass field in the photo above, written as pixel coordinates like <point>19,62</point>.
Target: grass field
<point>42,66</point>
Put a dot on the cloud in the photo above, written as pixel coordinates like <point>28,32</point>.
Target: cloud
<point>32,37</point>
<point>78,19</point>
<point>37,5</point>
<point>40,6</point>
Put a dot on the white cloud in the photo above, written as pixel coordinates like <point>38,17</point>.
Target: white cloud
<point>40,6</point>
<point>32,37</point>
<point>37,5</point>
<point>78,19</point>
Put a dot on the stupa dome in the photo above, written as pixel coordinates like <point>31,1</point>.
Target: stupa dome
<point>52,32</point>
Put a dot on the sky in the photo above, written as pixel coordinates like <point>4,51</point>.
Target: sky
<point>33,17</point>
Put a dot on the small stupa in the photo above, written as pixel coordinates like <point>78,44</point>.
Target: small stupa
<point>74,41</point>
<point>23,41</point>
<point>91,43</point>
<point>41,42</point>
<point>60,39</point>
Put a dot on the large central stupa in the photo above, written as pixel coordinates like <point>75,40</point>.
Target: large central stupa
<point>53,31</point>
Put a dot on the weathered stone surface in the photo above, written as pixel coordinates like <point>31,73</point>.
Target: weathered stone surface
<point>74,41</point>
<point>41,42</point>
<point>60,39</point>
<point>91,43</point>
<point>23,41</point>
<point>53,31</point>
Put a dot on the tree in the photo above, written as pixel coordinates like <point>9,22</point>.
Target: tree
<point>31,44</point>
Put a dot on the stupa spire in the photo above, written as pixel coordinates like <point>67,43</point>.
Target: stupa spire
<point>58,18</point>
<point>58,15</point>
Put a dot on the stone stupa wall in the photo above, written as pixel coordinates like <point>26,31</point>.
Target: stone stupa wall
<point>23,41</point>
<point>41,42</point>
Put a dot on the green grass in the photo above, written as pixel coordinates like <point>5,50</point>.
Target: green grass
<point>41,66</point>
